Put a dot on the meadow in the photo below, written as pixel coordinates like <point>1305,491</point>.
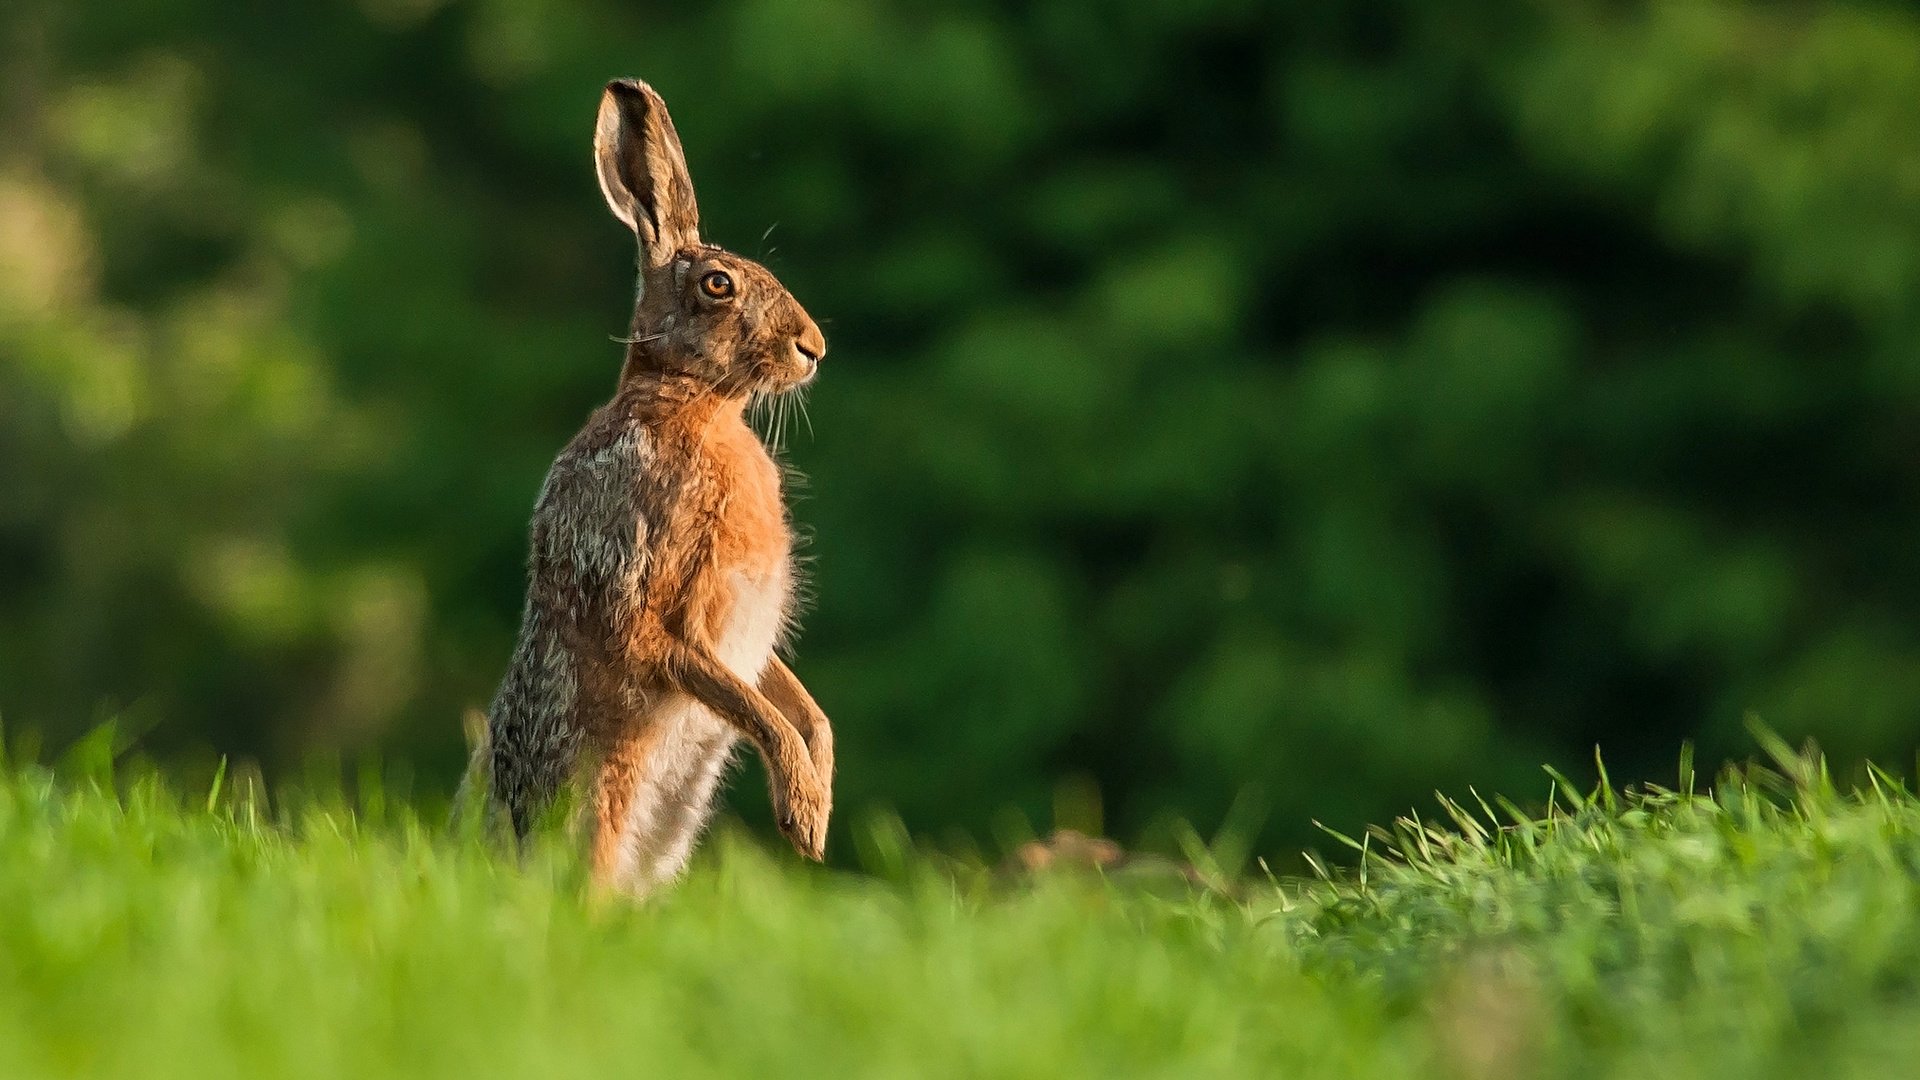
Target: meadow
<point>1334,402</point>
<point>1764,924</point>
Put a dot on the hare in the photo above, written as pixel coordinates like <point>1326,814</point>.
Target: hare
<point>660,566</point>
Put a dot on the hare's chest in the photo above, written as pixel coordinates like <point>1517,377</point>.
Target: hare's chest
<point>748,573</point>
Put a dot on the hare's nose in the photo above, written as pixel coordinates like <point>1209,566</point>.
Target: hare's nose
<point>811,344</point>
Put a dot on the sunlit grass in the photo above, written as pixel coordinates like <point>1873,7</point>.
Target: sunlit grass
<point>1768,927</point>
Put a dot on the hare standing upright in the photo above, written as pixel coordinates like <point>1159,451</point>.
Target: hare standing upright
<point>661,562</point>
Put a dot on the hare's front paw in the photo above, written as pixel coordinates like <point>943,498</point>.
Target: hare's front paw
<point>820,748</point>
<point>801,808</point>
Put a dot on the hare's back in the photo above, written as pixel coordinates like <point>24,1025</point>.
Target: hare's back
<point>592,519</point>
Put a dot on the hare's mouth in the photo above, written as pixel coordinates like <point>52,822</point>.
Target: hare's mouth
<point>787,384</point>
<point>795,370</point>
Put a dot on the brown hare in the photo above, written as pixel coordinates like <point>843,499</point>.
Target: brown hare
<point>660,569</point>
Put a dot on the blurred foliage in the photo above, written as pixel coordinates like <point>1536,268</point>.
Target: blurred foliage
<point>1325,401</point>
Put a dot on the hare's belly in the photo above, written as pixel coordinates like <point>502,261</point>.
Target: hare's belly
<point>751,627</point>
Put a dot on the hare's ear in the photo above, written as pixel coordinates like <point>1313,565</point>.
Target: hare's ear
<point>643,171</point>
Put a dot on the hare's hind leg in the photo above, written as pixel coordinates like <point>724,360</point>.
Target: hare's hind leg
<point>620,774</point>
<point>655,795</point>
<point>680,806</point>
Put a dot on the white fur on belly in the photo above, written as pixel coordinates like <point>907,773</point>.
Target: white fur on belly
<point>752,627</point>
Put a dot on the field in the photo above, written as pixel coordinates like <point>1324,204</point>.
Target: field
<point>1767,924</point>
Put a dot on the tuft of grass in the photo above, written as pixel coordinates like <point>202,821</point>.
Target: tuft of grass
<point>1769,926</point>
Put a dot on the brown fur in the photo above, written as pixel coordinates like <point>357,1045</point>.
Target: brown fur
<point>661,559</point>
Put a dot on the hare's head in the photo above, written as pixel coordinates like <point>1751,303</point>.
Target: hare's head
<point>702,311</point>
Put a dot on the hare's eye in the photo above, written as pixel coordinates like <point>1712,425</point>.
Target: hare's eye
<point>717,284</point>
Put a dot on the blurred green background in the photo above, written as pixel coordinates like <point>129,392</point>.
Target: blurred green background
<point>1327,401</point>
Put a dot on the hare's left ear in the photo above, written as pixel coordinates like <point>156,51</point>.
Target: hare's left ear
<point>643,171</point>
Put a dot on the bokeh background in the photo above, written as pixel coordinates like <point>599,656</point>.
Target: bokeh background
<point>1318,403</point>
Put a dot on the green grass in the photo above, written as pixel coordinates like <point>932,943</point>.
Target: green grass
<point>1770,928</point>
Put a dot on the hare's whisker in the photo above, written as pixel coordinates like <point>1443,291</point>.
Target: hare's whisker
<point>800,402</point>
